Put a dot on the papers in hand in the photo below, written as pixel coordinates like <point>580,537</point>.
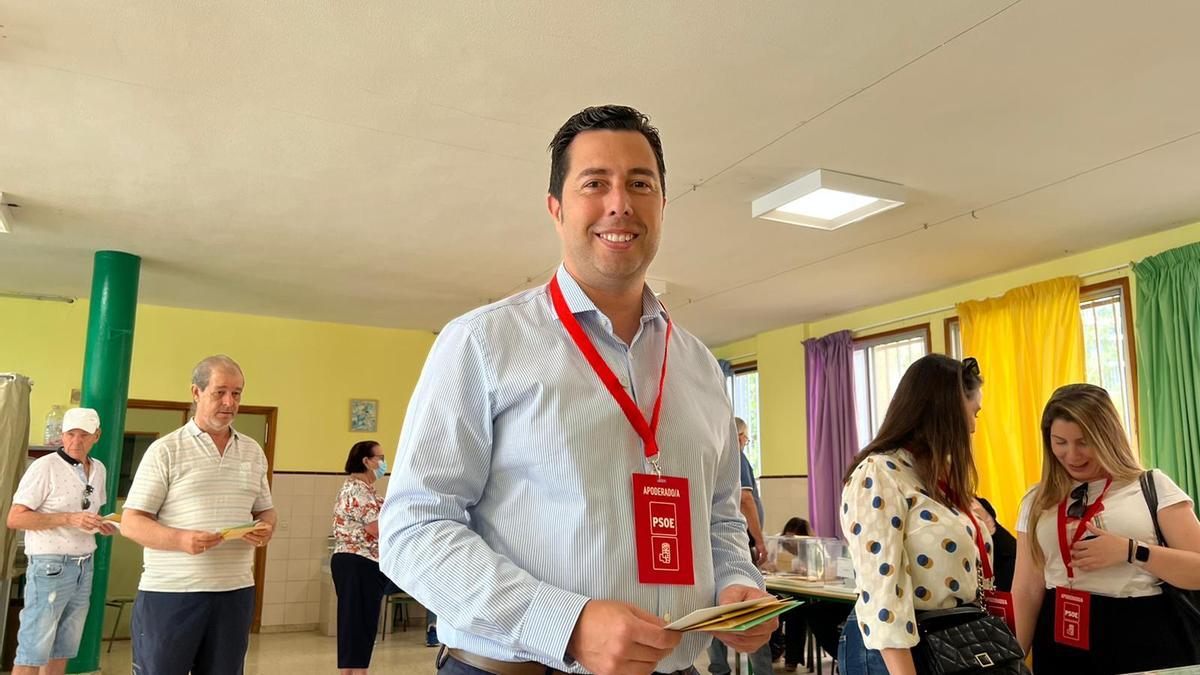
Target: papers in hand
<point>113,519</point>
<point>239,531</point>
<point>735,617</point>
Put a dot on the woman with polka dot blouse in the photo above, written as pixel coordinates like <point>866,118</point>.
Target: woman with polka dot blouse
<point>906,516</point>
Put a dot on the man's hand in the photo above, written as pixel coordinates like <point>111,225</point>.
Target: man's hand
<point>760,556</point>
<point>195,542</point>
<point>616,638</point>
<point>749,640</point>
<point>261,535</point>
<point>107,528</point>
<point>83,520</point>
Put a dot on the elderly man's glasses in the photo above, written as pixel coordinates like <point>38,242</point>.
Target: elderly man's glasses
<point>87,497</point>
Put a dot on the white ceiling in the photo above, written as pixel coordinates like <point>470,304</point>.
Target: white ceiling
<point>384,163</point>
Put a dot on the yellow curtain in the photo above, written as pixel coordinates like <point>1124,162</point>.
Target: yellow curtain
<point>1028,343</point>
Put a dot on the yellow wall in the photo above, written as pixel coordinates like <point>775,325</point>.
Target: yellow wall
<point>780,353</point>
<point>309,370</point>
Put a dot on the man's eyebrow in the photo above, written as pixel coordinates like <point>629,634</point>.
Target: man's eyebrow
<point>593,171</point>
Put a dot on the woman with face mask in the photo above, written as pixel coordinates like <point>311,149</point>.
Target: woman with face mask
<point>1088,590</point>
<point>355,562</point>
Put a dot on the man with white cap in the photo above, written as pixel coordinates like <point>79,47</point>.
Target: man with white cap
<point>57,504</point>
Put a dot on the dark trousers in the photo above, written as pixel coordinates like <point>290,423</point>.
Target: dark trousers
<point>1127,635</point>
<point>794,628</point>
<point>359,585</point>
<point>201,633</point>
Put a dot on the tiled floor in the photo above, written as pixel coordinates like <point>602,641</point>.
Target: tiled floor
<point>305,653</point>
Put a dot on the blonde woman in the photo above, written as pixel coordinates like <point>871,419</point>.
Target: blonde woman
<point>1087,586</point>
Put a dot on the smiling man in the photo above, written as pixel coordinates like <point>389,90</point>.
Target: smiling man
<point>195,601</point>
<point>562,487</point>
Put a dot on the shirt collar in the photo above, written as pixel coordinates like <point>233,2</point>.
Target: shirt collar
<point>67,458</point>
<point>578,301</point>
<point>195,430</point>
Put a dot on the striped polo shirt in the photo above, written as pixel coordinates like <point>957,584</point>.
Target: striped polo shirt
<point>188,484</point>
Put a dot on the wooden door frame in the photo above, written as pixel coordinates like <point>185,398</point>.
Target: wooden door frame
<point>272,414</point>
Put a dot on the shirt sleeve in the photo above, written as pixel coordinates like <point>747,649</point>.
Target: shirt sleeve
<point>747,472</point>
<point>730,540</point>
<point>149,487</point>
<point>1023,513</point>
<point>874,512</point>
<point>262,501</point>
<point>357,504</point>
<point>442,467</point>
<point>33,488</point>
<point>101,492</point>
<point>1169,494</point>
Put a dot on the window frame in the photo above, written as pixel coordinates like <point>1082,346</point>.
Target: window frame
<point>1087,292</point>
<point>1121,285</point>
<point>882,338</point>
<point>742,368</point>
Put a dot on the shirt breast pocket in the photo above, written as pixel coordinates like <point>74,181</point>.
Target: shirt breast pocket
<point>246,479</point>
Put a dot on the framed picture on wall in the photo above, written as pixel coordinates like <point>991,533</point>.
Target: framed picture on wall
<point>364,414</point>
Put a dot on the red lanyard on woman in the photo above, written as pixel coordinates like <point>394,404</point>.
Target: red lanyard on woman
<point>1063,546</point>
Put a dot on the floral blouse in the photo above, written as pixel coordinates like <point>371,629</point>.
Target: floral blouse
<point>357,506</point>
<point>910,552</point>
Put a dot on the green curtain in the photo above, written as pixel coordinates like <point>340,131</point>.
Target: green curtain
<point>1168,356</point>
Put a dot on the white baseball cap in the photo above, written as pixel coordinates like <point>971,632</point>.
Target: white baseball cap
<point>85,419</point>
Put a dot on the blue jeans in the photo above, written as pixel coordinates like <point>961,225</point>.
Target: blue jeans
<point>58,589</point>
<point>853,656</point>
<point>718,659</point>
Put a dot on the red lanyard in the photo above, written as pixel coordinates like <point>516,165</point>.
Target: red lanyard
<point>944,486</point>
<point>983,554</point>
<point>632,413</point>
<point>1065,548</point>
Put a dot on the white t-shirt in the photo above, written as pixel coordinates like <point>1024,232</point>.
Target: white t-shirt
<point>1125,514</point>
<point>188,484</point>
<point>56,485</point>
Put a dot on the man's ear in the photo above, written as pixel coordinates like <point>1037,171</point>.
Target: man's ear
<point>554,206</point>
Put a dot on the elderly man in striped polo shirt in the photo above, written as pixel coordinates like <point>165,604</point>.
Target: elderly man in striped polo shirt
<point>195,602</point>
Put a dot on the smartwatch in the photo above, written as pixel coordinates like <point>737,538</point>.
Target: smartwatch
<point>1141,554</point>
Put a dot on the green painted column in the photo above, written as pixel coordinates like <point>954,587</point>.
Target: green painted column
<point>106,363</point>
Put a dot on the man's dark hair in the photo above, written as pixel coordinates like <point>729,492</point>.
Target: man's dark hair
<point>601,117</point>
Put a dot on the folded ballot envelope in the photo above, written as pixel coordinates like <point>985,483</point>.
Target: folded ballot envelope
<point>735,617</point>
<point>239,531</point>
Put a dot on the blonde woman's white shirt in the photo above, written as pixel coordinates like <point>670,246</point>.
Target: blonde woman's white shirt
<point>1125,514</point>
<point>910,551</point>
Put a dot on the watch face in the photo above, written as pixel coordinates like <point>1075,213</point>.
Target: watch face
<point>1142,554</point>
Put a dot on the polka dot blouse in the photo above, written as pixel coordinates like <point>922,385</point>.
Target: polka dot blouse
<point>910,552</point>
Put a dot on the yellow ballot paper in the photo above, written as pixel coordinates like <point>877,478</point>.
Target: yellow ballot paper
<point>738,616</point>
<point>239,531</point>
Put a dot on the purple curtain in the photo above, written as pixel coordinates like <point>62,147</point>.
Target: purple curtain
<point>832,434</point>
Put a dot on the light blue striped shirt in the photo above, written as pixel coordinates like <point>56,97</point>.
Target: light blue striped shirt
<point>511,501</point>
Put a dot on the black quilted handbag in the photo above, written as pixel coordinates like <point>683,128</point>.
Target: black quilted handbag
<point>966,640</point>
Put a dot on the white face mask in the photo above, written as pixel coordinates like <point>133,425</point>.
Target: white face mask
<point>381,469</point>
